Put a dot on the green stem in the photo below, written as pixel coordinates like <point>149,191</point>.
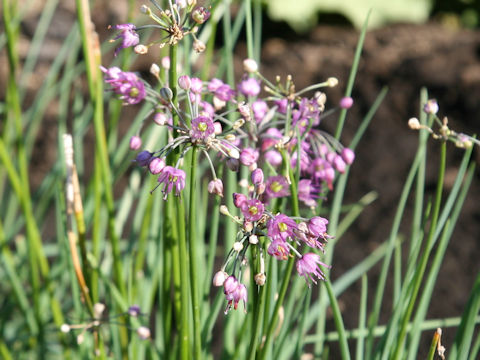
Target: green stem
<point>287,274</point>
<point>259,309</point>
<point>424,260</point>
<point>194,271</point>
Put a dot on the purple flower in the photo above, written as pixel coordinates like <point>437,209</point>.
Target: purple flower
<point>273,157</point>
<point>249,156</point>
<point>156,165</point>
<point>346,102</point>
<point>171,177</point>
<point>431,107</point>
<point>252,209</point>
<point>260,109</point>
<point>143,158</point>
<point>279,249</point>
<point>196,86</point>
<point>257,176</point>
<point>277,186</point>
<point>134,311</point>
<point>282,105</point>
<point>215,187</point>
<point>281,227</point>
<point>317,226</point>
<point>126,84</point>
<point>323,171</point>
<point>224,92</point>
<point>249,87</point>
<point>239,199</point>
<point>308,268</point>
<point>128,35</point>
<point>308,192</point>
<point>271,137</point>
<point>202,128</point>
<point>234,292</point>
<point>348,156</point>
<point>135,142</point>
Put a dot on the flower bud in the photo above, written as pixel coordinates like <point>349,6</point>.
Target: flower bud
<point>332,82</point>
<point>219,278</point>
<point>166,93</point>
<point>348,156</point>
<point>233,164</point>
<point>165,62</point>
<point>134,310</point>
<point>156,165</point>
<point>143,333</point>
<point>414,124</point>
<point>216,187</point>
<point>238,199</point>
<point>230,137</point>
<point>346,102</point>
<point>135,142</point>
<point>250,65</point>
<point>224,210</point>
<point>431,107</point>
<point>339,164</point>
<point>198,46</point>
<point>200,15</point>
<point>253,239</point>
<point>155,70</point>
<point>248,226</point>
<point>160,119</point>
<point>140,49</point>
<point>218,128</point>
<point>184,82</point>
<point>143,158</point>
<point>98,310</point>
<point>65,328</point>
<point>257,176</point>
<point>144,9</point>
<point>237,246</point>
<point>260,279</point>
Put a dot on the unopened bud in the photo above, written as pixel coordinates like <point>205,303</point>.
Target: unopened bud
<point>215,187</point>
<point>257,176</point>
<point>80,338</point>
<point>346,102</point>
<point>198,46</point>
<point>248,226</point>
<point>156,165</point>
<point>98,310</point>
<point>135,142</point>
<point>140,49</point>
<point>166,93</point>
<point>332,82</point>
<point>237,246</point>
<point>238,199</point>
<point>414,124</point>
<point>260,279</point>
<point>144,9</point>
<point>155,70</point>
<point>250,65</point>
<point>431,107</point>
<point>224,210</point>
<point>200,15</point>
<point>233,153</point>
<point>65,328</point>
<point>165,62</point>
<point>230,137</point>
<point>218,128</point>
<point>184,82</point>
<point>253,239</point>
<point>233,164</point>
<point>160,119</point>
<point>219,278</point>
<point>143,333</point>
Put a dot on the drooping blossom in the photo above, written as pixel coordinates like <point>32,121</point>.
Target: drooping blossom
<point>171,177</point>
<point>308,192</point>
<point>279,249</point>
<point>128,35</point>
<point>307,266</point>
<point>126,84</point>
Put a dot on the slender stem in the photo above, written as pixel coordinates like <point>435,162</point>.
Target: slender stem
<point>192,242</point>
<point>287,274</point>
<point>424,260</point>
<point>259,309</point>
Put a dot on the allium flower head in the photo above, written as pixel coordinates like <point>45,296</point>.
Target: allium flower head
<point>126,84</point>
<point>202,128</point>
<point>252,209</point>
<point>308,267</point>
<point>277,186</point>
<point>128,35</point>
<point>172,177</point>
